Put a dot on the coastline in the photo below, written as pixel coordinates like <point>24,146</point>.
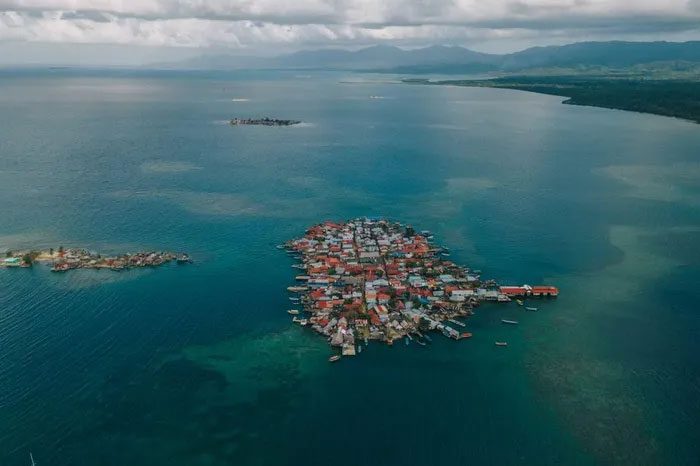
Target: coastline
<point>669,98</point>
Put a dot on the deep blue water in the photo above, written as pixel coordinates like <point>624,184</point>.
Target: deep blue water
<point>199,365</point>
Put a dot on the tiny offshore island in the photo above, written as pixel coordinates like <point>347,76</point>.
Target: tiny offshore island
<point>263,122</point>
<point>368,279</point>
<point>62,260</point>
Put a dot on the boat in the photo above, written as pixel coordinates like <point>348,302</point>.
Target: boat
<point>334,358</point>
<point>421,342</point>
<point>296,289</point>
<point>428,338</point>
<point>407,342</point>
<point>465,335</point>
<point>501,343</point>
<point>530,308</point>
<point>183,259</point>
<point>359,348</point>
<point>519,301</point>
<point>293,312</point>
<point>512,322</point>
<point>302,278</point>
<point>280,246</point>
<point>294,299</point>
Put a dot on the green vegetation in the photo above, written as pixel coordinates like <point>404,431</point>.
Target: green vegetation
<point>678,98</point>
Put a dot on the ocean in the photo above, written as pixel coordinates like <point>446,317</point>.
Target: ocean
<point>200,364</point>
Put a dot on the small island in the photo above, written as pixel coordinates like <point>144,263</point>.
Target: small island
<point>64,259</point>
<point>263,122</point>
<point>372,279</point>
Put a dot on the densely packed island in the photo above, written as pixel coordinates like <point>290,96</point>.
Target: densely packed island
<point>372,279</point>
<point>63,259</point>
<point>263,122</point>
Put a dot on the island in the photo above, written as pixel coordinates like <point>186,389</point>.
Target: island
<point>263,122</point>
<point>64,259</point>
<point>373,279</point>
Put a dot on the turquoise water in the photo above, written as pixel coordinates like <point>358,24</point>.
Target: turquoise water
<point>199,365</point>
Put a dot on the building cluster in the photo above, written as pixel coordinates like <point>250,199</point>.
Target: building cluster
<point>371,279</point>
<point>62,259</point>
<point>83,259</point>
<point>262,122</point>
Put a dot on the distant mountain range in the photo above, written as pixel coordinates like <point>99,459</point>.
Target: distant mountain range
<point>444,59</point>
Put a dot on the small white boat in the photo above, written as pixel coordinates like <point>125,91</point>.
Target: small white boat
<point>294,312</point>
<point>530,308</point>
<point>334,358</point>
<point>501,343</point>
<point>511,322</point>
<point>296,289</point>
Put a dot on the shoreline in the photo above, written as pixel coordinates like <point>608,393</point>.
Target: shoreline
<point>644,97</point>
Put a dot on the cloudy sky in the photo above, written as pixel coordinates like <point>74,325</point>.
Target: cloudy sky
<point>139,31</point>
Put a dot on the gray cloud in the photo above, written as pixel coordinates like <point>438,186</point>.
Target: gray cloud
<point>250,24</point>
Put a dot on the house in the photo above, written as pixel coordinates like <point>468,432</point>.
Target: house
<point>383,298</point>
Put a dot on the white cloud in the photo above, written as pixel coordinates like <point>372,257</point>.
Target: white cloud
<point>267,23</point>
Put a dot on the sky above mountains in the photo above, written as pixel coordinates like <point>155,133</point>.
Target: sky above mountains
<point>133,31</point>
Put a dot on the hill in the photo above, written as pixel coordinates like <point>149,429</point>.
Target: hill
<point>459,60</point>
